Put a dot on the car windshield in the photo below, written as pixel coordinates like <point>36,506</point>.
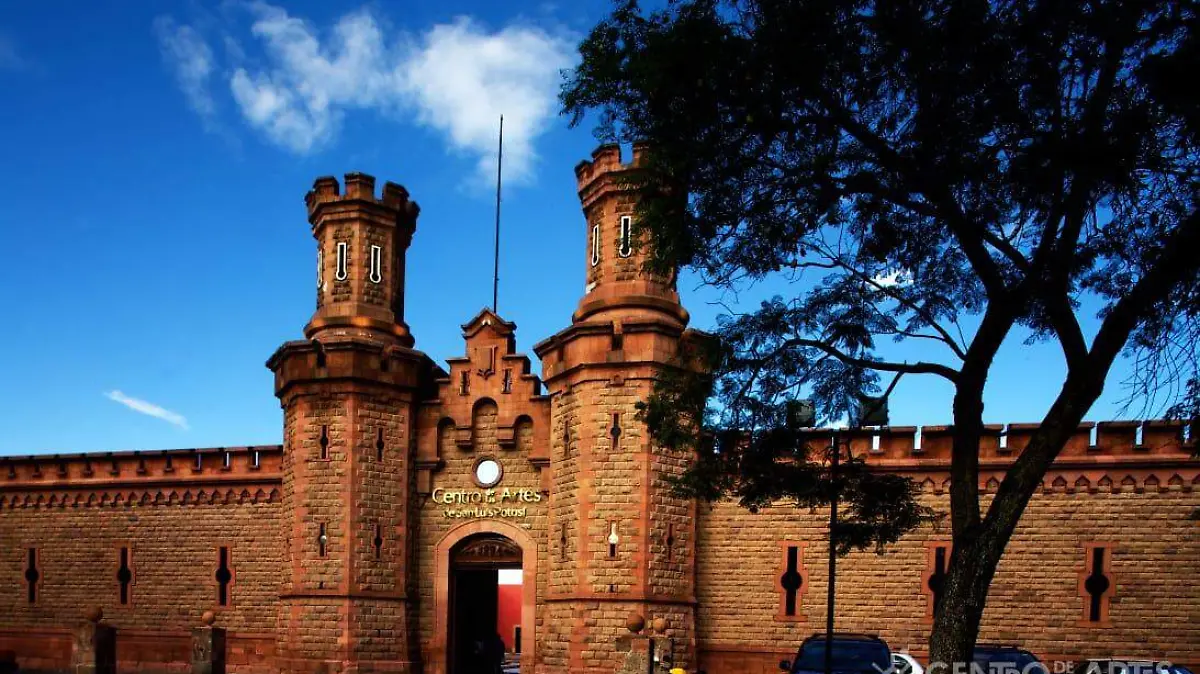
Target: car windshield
<point>1000,661</point>
<point>848,656</point>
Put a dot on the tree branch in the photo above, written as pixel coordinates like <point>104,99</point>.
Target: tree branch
<point>912,306</point>
<point>1177,264</point>
<point>920,367</point>
<point>967,233</point>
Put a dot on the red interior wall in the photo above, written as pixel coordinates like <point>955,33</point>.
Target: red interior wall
<point>508,613</point>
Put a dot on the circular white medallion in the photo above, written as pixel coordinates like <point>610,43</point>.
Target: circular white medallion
<point>488,472</point>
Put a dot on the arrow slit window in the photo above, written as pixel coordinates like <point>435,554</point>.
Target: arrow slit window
<point>625,242</point>
<point>224,576</point>
<point>32,575</point>
<point>376,264</point>
<point>1096,584</point>
<point>343,254</point>
<point>791,582</point>
<point>595,245</point>
<point>936,582</point>
<point>124,576</point>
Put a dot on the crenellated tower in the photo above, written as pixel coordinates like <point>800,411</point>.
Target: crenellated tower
<point>348,393</point>
<point>620,542</point>
<point>617,285</point>
<point>361,246</point>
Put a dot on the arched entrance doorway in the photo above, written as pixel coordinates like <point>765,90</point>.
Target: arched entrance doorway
<point>485,588</point>
<point>485,604</point>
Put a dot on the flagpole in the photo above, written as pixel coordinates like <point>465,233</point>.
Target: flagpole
<point>496,262</point>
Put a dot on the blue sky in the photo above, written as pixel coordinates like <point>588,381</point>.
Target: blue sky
<point>155,158</point>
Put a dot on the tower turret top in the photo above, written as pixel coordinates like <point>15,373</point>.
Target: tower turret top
<point>606,171</point>
<point>362,240</point>
<point>618,285</point>
<point>360,190</point>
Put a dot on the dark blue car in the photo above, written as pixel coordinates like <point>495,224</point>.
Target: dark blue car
<point>852,654</point>
<point>1006,660</point>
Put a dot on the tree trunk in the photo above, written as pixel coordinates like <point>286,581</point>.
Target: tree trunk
<point>964,596</point>
<point>977,551</point>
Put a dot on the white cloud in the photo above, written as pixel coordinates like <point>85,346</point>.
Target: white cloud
<point>462,79</point>
<point>148,408</point>
<point>454,78</point>
<point>190,60</point>
<point>898,277</point>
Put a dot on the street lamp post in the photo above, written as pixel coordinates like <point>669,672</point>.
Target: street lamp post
<point>874,413</point>
<point>830,591</point>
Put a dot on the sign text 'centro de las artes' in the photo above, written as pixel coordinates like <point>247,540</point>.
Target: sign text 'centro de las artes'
<point>505,502</point>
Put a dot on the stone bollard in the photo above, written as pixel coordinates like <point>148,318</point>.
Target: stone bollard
<point>208,647</point>
<point>94,646</point>
<point>662,647</point>
<point>638,648</point>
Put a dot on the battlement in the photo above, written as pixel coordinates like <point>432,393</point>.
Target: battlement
<point>1091,442</point>
<point>252,464</point>
<point>606,159</point>
<point>360,187</point>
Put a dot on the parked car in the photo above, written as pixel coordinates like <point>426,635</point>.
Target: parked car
<point>852,654</point>
<point>1007,660</point>
<point>1128,666</point>
<point>903,663</point>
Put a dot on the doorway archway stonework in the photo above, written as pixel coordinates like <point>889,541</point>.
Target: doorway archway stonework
<point>443,553</point>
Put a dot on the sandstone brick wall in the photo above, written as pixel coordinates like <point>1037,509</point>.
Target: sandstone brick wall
<point>457,474</point>
<point>487,406</point>
<point>357,491</point>
<point>174,549</point>
<point>1035,601</point>
<point>601,479</point>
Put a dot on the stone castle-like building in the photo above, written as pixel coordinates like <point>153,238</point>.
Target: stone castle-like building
<point>371,539</point>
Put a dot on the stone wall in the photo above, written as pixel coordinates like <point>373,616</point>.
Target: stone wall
<point>173,524</point>
<point>1132,500</point>
<point>487,406</point>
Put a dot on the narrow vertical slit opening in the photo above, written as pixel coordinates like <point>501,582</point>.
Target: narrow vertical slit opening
<point>32,575</point>
<point>791,580</point>
<point>343,253</point>
<point>1096,585</point>
<point>124,576</point>
<point>625,243</point>
<point>937,579</point>
<point>224,576</point>
<point>376,273</point>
